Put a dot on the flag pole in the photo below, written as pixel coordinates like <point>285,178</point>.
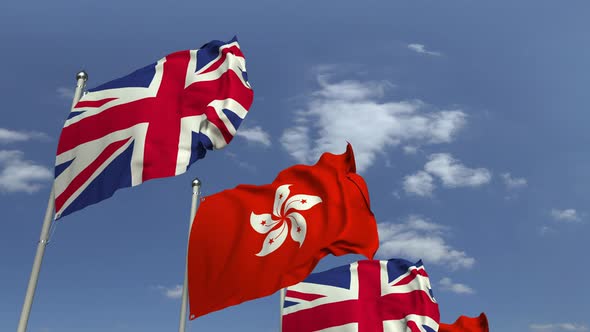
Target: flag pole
<point>81,78</point>
<point>196,192</point>
<point>282,303</point>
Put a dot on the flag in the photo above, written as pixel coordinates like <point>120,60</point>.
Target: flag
<point>467,324</point>
<point>250,241</point>
<point>152,123</point>
<point>366,296</point>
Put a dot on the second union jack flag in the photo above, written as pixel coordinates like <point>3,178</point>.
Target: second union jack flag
<point>365,296</point>
<point>152,123</point>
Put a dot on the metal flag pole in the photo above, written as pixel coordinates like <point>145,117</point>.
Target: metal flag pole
<point>81,78</point>
<point>196,193</point>
<point>282,303</point>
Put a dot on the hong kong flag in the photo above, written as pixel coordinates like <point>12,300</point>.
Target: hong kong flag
<point>250,241</point>
<point>467,324</point>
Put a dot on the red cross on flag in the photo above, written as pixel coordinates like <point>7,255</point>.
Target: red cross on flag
<point>365,296</point>
<point>152,123</point>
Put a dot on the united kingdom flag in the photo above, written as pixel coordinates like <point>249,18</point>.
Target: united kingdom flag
<point>152,123</point>
<point>365,296</point>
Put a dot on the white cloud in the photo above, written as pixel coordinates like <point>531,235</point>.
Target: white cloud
<point>255,134</point>
<point>351,111</point>
<point>450,171</point>
<point>544,230</point>
<point>446,284</point>
<point>174,292</point>
<point>408,149</point>
<point>65,93</point>
<point>241,163</point>
<point>296,141</point>
<point>513,183</point>
<point>418,238</point>
<point>420,48</point>
<point>420,184</point>
<point>11,136</point>
<point>565,215</point>
<point>348,90</point>
<point>19,175</point>
<point>558,327</point>
<point>454,174</point>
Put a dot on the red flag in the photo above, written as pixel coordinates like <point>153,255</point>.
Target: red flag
<point>467,324</point>
<point>250,241</point>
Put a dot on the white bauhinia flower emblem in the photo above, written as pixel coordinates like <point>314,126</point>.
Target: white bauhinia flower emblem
<point>283,209</point>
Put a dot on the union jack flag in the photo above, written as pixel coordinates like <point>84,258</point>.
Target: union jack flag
<point>152,123</point>
<point>365,296</point>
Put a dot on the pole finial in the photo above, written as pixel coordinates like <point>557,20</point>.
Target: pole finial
<point>82,75</point>
<point>196,183</point>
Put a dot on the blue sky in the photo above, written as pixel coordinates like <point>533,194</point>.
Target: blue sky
<point>469,122</point>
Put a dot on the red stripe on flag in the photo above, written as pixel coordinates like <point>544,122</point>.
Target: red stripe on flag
<point>413,326</point>
<point>199,94</point>
<point>93,103</point>
<point>108,121</point>
<point>83,176</point>
<point>413,275</point>
<point>369,273</point>
<point>227,86</point>
<point>163,135</point>
<point>304,296</point>
<point>234,50</point>
<point>397,306</point>
<point>370,317</point>
<point>333,314</point>
<point>370,309</point>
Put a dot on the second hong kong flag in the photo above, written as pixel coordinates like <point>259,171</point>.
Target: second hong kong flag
<point>250,241</point>
<point>467,324</point>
